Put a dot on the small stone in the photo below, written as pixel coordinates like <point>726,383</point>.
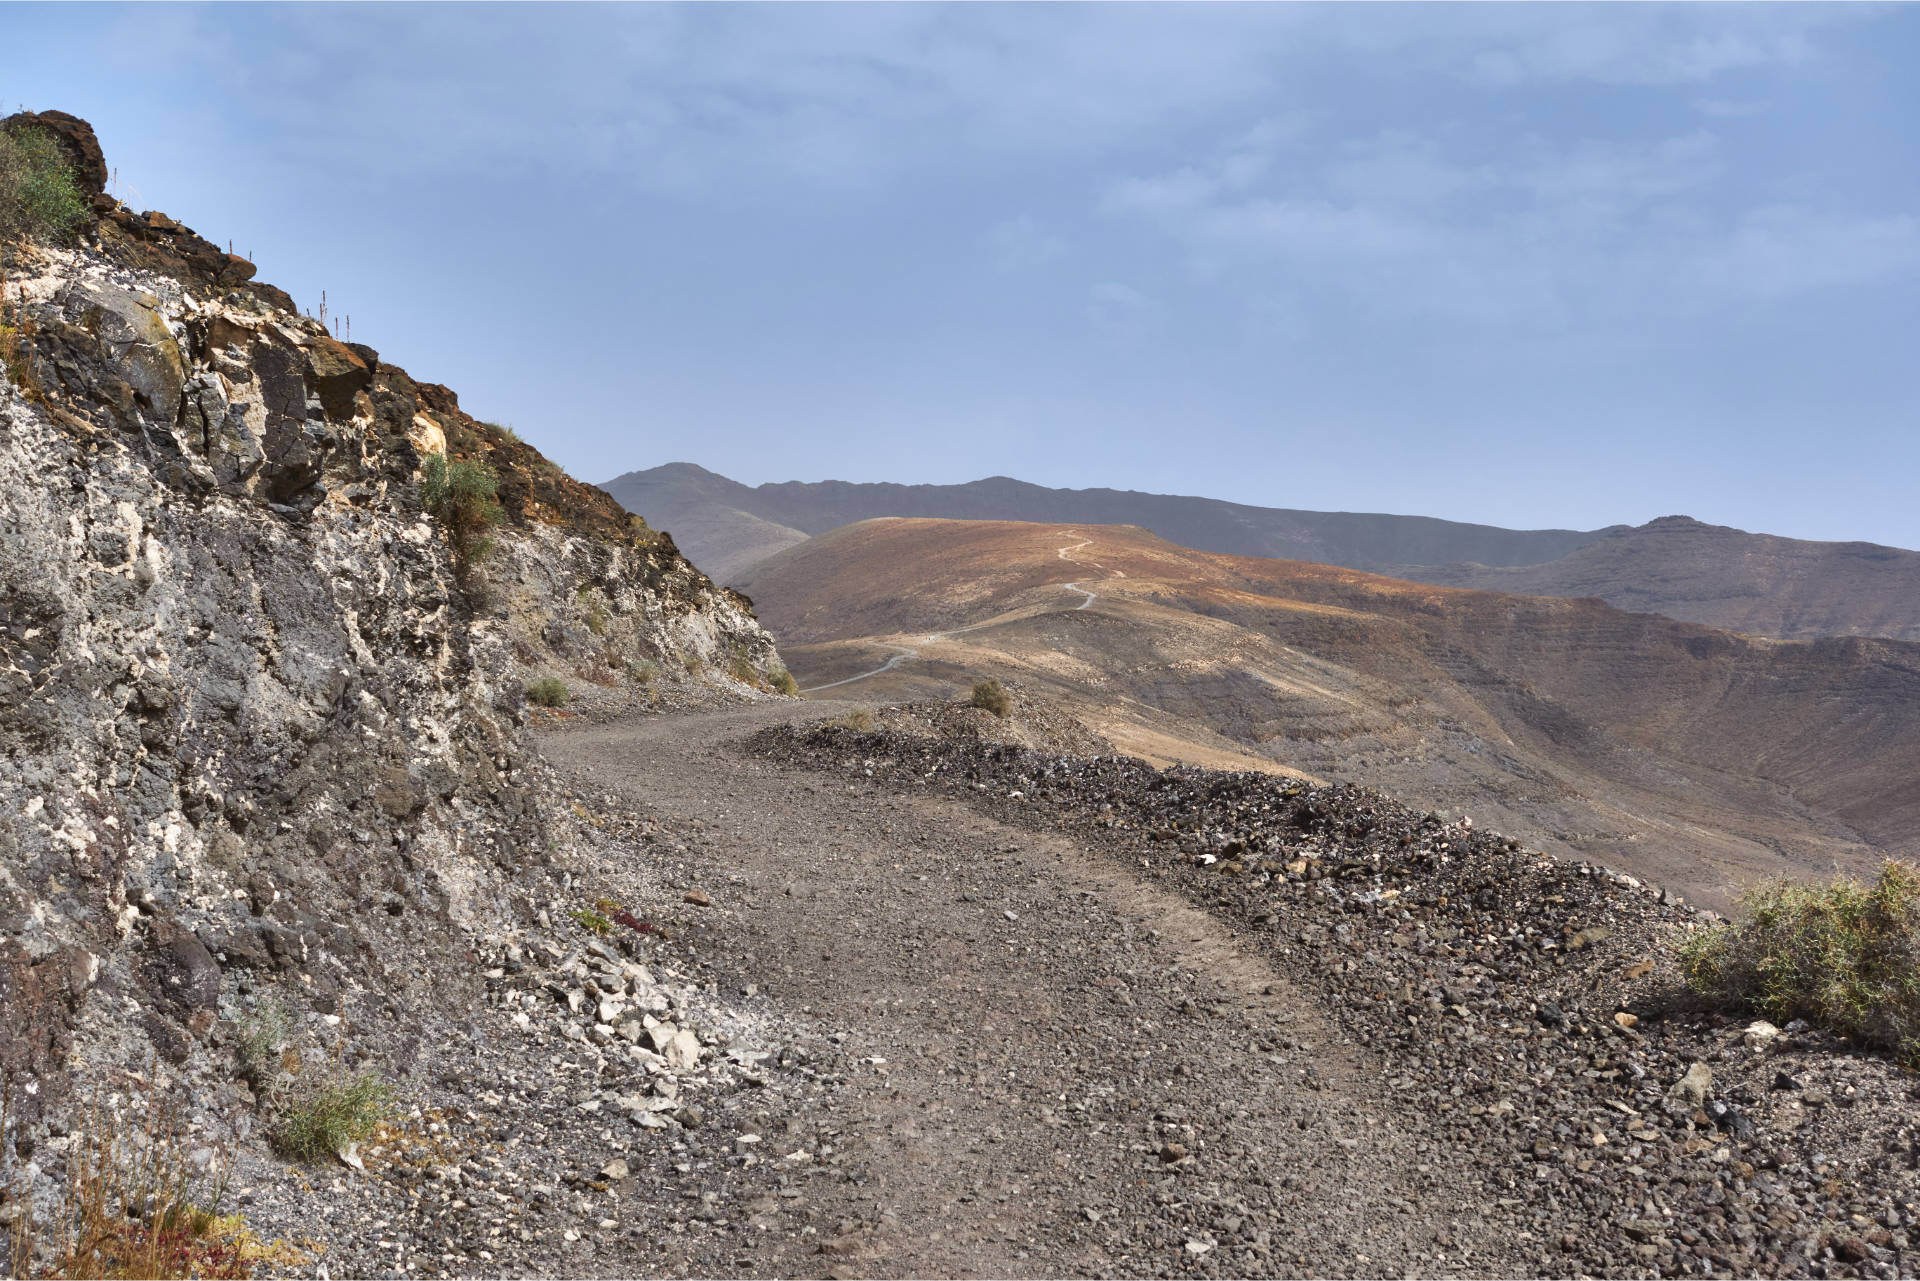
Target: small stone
<point>1694,1086</point>
<point>683,1050</point>
<point>614,1170</point>
<point>697,897</point>
<point>689,1117</point>
<point>1785,1081</point>
<point>1587,938</point>
<point>349,1154</point>
<point>1759,1033</point>
<point>1173,1153</point>
<point>1625,1019</point>
<point>660,1036</point>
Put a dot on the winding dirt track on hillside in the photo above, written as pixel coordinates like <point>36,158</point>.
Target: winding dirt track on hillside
<point>1042,1023</point>
<point>902,653</point>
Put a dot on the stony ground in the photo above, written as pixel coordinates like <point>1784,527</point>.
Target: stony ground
<point>954,1007</point>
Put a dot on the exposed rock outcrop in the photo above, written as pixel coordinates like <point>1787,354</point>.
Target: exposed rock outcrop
<point>254,728</point>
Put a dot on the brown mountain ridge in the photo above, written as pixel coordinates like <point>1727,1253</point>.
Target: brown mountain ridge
<point>1698,757</point>
<point>1787,588</point>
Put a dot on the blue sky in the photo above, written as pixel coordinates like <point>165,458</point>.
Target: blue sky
<point>1546,265</point>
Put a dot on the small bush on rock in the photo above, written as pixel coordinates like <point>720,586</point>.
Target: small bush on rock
<point>39,198</point>
<point>642,671</point>
<point>463,496</point>
<point>989,696</point>
<point>547,691</point>
<point>338,1111</point>
<point>1845,956</point>
<point>258,1043</point>
<point>782,681</point>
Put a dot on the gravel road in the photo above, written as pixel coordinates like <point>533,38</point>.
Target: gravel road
<point>1063,1069</point>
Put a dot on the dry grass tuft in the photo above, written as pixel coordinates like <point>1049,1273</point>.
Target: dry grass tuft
<point>989,696</point>
<point>547,691</point>
<point>135,1205</point>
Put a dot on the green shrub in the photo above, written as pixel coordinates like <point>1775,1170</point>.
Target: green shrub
<point>1845,956</point>
<point>548,691</point>
<point>783,682</point>
<point>463,496</point>
<point>642,671</point>
<point>988,695</point>
<point>593,922</point>
<point>258,1043</point>
<point>39,198</point>
<point>505,430</point>
<point>337,1111</point>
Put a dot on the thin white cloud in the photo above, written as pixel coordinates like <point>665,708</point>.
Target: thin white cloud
<point>1782,250</point>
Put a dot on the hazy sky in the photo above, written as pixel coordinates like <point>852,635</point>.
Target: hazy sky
<point>1527,265</point>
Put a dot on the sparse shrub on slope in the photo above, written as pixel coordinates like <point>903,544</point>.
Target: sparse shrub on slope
<point>39,198</point>
<point>783,683</point>
<point>988,695</point>
<point>547,691</point>
<point>335,1112</point>
<point>1845,956</point>
<point>463,495</point>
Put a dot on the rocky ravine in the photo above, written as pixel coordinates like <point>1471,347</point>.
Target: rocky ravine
<point>256,733</point>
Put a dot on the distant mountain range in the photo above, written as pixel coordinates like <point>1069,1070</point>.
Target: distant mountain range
<point>1727,578</point>
<point>1699,758</point>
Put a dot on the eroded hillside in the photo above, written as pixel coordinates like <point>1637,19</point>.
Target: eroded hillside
<point>260,730</point>
<point>1699,757</point>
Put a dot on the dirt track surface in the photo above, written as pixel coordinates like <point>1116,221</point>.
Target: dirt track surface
<point>1063,1069</point>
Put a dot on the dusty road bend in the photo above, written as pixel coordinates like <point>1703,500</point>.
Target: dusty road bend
<point>1073,1071</point>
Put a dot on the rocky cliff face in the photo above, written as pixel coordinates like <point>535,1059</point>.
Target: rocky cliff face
<point>254,728</point>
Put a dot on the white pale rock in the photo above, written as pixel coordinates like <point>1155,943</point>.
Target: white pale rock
<point>683,1051</point>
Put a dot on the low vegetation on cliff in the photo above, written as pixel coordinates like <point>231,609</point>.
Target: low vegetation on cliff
<point>464,496</point>
<point>39,198</point>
